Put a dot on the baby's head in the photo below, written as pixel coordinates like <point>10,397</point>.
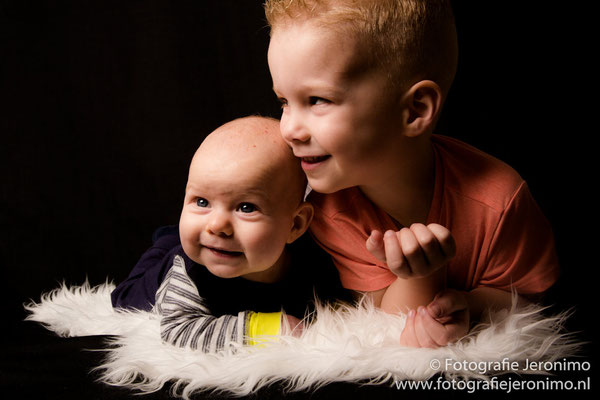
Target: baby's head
<point>244,201</point>
<point>361,83</point>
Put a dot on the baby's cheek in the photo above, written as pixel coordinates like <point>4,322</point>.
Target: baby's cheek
<point>185,231</point>
<point>192,250</point>
<point>268,247</point>
<point>189,236</point>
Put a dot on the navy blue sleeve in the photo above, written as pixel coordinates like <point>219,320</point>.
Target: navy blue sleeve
<point>138,291</point>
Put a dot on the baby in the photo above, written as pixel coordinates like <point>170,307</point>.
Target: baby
<point>234,271</point>
<point>403,212</point>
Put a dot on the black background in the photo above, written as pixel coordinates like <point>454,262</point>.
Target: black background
<point>104,102</point>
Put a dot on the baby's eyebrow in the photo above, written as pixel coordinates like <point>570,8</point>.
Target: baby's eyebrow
<point>190,186</point>
<point>255,192</point>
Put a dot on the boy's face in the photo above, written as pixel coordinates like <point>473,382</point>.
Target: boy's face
<point>237,215</point>
<point>339,118</point>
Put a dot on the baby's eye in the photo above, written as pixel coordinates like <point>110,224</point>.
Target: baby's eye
<point>201,202</point>
<point>247,208</point>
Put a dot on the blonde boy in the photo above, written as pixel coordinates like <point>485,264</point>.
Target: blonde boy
<point>362,84</point>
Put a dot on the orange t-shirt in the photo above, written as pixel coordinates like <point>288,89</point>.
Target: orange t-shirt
<point>503,240</point>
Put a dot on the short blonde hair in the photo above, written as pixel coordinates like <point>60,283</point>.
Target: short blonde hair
<point>411,40</point>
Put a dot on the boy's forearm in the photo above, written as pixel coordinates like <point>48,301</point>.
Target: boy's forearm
<point>408,294</point>
<point>404,295</point>
<point>484,299</point>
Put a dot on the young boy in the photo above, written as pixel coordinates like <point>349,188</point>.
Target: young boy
<point>362,83</point>
<point>244,203</point>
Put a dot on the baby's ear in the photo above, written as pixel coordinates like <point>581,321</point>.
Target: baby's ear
<point>423,102</point>
<point>302,219</point>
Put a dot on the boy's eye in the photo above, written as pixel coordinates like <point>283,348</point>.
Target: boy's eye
<point>247,208</point>
<point>282,101</point>
<point>200,202</point>
<point>314,101</point>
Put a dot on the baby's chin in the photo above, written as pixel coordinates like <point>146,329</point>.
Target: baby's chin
<point>225,272</point>
<point>245,272</point>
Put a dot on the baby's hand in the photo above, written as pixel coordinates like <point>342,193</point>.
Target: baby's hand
<point>292,326</point>
<point>443,321</point>
<point>413,252</point>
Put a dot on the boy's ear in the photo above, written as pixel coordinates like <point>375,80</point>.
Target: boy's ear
<point>422,104</point>
<point>302,219</point>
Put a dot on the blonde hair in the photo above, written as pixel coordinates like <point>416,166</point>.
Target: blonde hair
<point>411,40</point>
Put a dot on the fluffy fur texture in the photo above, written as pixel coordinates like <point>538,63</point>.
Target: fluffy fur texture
<point>352,344</point>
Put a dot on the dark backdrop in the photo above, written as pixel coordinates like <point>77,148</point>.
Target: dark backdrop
<point>104,102</point>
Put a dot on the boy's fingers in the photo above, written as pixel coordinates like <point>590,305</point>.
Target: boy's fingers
<point>394,255</point>
<point>427,329</point>
<point>432,251</point>
<point>444,239</point>
<point>413,253</point>
<point>437,334</point>
<point>375,245</point>
<point>446,303</point>
<point>408,337</point>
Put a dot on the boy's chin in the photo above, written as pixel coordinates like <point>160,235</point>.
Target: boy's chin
<point>320,186</point>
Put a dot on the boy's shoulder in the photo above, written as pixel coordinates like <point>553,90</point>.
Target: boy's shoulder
<point>472,174</point>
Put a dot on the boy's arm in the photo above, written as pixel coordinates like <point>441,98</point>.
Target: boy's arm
<point>448,317</point>
<point>417,256</point>
<point>485,299</point>
<point>408,294</point>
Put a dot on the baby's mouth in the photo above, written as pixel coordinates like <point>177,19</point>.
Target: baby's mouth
<point>224,253</point>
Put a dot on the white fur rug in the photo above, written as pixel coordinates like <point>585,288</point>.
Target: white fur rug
<point>349,344</point>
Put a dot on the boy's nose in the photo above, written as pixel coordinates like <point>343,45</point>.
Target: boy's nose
<point>293,128</point>
<point>219,224</point>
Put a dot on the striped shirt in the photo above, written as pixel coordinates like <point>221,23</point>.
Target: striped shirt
<point>187,322</point>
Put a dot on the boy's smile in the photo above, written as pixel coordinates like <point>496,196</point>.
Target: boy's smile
<point>339,115</point>
<point>311,162</point>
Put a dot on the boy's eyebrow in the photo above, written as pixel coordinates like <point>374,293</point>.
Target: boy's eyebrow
<point>327,88</point>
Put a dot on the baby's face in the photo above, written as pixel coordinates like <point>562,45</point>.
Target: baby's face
<point>237,216</point>
<point>337,116</point>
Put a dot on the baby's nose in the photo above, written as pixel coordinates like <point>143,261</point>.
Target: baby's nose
<point>220,224</point>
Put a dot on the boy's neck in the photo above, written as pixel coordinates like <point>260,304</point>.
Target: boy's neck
<point>274,273</point>
<point>405,192</point>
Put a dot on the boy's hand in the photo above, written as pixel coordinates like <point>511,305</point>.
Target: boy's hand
<point>443,321</point>
<point>413,252</point>
<point>292,326</point>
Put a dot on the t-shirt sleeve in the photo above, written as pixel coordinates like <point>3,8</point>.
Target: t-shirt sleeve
<point>521,253</point>
<point>359,269</point>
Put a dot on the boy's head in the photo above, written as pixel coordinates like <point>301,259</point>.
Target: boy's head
<point>243,201</point>
<point>360,81</point>
<point>411,40</point>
